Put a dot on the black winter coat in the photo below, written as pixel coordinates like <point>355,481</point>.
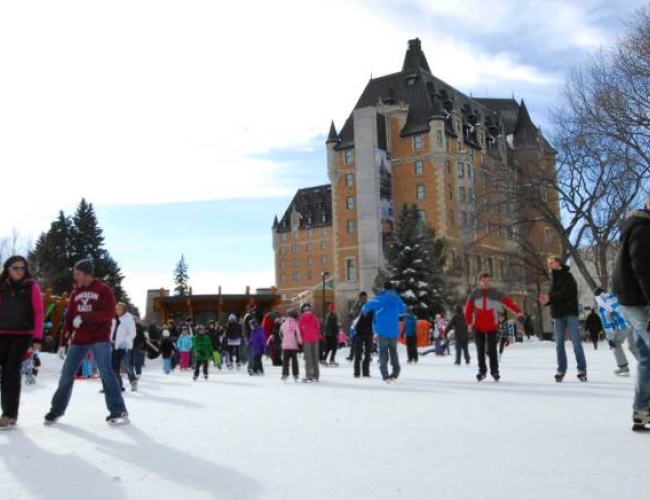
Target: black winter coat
<point>563,294</point>
<point>631,278</point>
<point>459,326</point>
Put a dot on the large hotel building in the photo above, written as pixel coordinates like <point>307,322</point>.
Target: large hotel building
<point>414,139</point>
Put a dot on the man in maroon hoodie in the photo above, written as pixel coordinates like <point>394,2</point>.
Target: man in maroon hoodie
<point>91,309</point>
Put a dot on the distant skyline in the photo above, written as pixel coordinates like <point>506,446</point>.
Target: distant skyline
<point>189,126</point>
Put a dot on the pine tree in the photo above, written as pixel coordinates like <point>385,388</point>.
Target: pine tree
<point>181,278</point>
<point>51,260</point>
<point>414,262</point>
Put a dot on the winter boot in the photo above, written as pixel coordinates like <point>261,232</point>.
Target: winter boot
<point>51,418</point>
<point>582,376</point>
<point>641,421</point>
<point>559,377</point>
<point>7,423</point>
<point>496,377</point>
<point>118,418</point>
<point>623,371</point>
<point>480,377</point>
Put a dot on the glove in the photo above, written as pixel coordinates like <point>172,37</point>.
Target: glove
<point>76,322</point>
<point>61,352</point>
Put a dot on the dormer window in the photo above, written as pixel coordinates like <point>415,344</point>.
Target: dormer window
<point>349,156</point>
<point>417,142</point>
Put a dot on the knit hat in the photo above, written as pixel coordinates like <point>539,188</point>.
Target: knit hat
<point>85,266</point>
<point>232,318</point>
<point>165,333</point>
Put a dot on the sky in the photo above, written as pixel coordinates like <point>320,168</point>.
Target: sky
<point>189,125</point>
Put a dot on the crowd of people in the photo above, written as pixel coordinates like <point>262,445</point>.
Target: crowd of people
<point>104,338</point>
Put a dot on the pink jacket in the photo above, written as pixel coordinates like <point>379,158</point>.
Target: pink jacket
<point>309,327</point>
<point>290,332</point>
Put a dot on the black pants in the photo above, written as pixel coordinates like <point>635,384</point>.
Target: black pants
<point>234,353</point>
<point>12,353</point>
<point>331,346</point>
<point>594,339</point>
<point>462,348</point>
<point>502,344</point>
<point>119,358</point>
<point>412,348</point>
<point>290,355</point>
<point>257,364</point>
<point>363,345</point>
<point>197,368</point>
<point>491,339</point>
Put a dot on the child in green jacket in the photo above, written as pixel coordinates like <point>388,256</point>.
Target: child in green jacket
<point>202,352</point>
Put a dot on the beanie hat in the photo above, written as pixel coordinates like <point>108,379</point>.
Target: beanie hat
<point>165,333</point>
<point>232,318</point>
<point>85,266</point>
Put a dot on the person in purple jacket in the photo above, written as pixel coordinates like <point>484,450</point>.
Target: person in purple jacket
<point>258,343</point>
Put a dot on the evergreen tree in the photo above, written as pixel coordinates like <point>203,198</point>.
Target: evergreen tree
<point>181,278</point>
<point>414,262</point>
<point>68,240</point>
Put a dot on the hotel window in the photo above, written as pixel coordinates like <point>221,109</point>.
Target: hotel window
<point>323,261</point>
<point>484,178</point>
<point>309,231</point>
<point>349,180</point>
<point>470,153</point>
<point>322,245</point>
<point>439,137</point>
<point>295,248</point>
<point>284,237</point>
<point>470,195</point>
<point>487,227</point>
<point>296,276</point>
<point>309,247</point>
<point>467,263</point>
<point>283,264</point>
<point>450,191</point>
<point>448,167</point>
<point>310,261</point>
<point>423,216</point>
<point>349,156</point>
<point>296,262</point>
<point>470,173</point>
<point>351,226</point>
<point>310,275</point>
<point>451,217</point>
<point>350,270</point>
<point>490,266</point>
<point>419,192</point>
<point>323,231</point>
<point>461,170</point>
<point>281,250</point>
<point>462,194</point>
<point>323,218</point>
<point>417,142</point>
<point>479,264</point>
<point>463,219</point>
<point>350,202</point>
<point>419,168</point>
<point>502,269</point>
<point>283,278</point>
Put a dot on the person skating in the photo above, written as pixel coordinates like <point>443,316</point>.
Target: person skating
<point>21,328</point>
<point>354,316</point>
<point>363,339</point>
<point>87,326</point>
<point>617,330</point>
<point>631,285</point>
<point>167,351</point>
<point>215,333</point>
<point>387,307</point>
<point>331,332</point>
<point>563,300</point>
<point>122,339</point>
<point>258,344</point>
<point>461,334</point>
<point>411,336</point>
<point>291,342</point>
<point>594,326</point>
<point>202,345</point>
<point>184,347</point>
<point>310,331</point>
<point>481,314</point>
<point>234,336</point>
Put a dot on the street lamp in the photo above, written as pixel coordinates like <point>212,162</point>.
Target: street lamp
<point>324,275</point>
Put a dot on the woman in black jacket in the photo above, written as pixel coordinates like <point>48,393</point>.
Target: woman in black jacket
<point>21,323</point>
<point>461,335</point>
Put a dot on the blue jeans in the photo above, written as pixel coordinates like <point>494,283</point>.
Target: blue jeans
<point>388,347</point>
<point>101,352</point>
<point>560,325</point>
<point>167,365</point>
<point>638,318</point>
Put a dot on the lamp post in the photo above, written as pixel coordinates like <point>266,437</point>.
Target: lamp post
<point>324,276</point>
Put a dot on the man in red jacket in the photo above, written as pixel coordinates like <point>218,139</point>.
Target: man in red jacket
<point>482,314</point>
<point>91,309</point>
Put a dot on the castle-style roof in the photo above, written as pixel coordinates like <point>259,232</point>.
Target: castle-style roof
<point>427,97</point>
<point>314,206</point>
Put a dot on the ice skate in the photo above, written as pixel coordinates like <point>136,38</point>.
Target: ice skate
<point>641,421</point>
<point>559,377</point>
<point>117,419</point>
<point>51,418</point>
<point>622,371</point>
<point>582,376</point>
<point>480,377</point>
<point>7,423</point>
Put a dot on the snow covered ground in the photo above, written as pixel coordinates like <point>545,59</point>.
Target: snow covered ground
<point>437,433</point>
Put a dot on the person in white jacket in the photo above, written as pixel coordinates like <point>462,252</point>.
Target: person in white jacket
<point>122,336</point>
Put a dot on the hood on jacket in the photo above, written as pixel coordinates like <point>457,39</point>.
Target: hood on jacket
<point>637,217</point>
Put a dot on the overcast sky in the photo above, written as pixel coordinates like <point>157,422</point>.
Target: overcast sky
<point>190,124</point>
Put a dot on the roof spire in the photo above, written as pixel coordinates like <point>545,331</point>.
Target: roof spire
<point>525,132</point>
<point>415,60</point>
<point>333,135</point>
